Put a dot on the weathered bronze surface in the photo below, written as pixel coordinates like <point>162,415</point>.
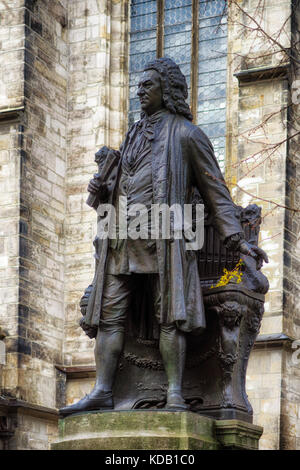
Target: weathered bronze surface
<point>164,338</point>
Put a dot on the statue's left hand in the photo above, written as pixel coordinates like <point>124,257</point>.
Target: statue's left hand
<point>254,251</point>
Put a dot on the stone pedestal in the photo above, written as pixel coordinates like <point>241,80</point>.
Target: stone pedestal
<point>153,430</point>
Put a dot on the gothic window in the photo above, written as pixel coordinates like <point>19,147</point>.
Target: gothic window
<point>142,47</point>
<point>212,66</point>
<point>178,34</point>
<point>194,34</point>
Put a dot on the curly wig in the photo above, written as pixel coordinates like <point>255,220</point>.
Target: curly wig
<point>174,86</point>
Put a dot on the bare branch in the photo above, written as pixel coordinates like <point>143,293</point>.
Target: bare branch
<point>260,29</point>
<point>267,200</point>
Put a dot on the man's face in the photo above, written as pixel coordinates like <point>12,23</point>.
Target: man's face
<point>150,92</point>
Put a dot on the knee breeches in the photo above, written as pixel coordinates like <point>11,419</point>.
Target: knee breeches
<point>117,298</point>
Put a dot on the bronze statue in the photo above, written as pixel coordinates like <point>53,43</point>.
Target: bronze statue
<point>164,158</point>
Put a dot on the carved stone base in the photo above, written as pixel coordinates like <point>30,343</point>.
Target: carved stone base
<point>153,430</point>
<point>228,413</point>
<point>233,435</point>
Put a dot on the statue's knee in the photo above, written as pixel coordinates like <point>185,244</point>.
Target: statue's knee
<point>112,328</point>
<point>168,329</point>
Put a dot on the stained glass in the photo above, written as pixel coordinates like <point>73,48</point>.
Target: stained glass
<point>177,34</point>
<point>208,8</point>
<point>212,64</point>
<point>142,47</point>
<point>211,115</point>
<point>211,92</point>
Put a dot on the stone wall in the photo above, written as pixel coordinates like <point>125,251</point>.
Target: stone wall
<point>12,38</point>
<point>264,377</point>
<point>42,203</point>
<point>33,201</point>
<point>290,411</point>
<point>32,205</point>
<point>262,169</point>
<point>257,126</point>
<point>9,246</point>
<point>33,431</point>
<point>97,103</point>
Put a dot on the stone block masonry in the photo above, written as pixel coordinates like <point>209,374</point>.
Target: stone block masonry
<point>42,200</point>
<point>9,246</point>
<point>97,104</point>
<point>32,179</point>
<point>262,160</point>
<point>12,40</point>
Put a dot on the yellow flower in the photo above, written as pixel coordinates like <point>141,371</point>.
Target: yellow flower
<point>235,275</point>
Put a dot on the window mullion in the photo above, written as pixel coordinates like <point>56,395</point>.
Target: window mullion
<point>160,28</point>
<point>194,58</point>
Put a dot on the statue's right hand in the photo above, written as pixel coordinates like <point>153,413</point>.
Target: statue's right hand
<point>94,184</point>
<point>97,187</point>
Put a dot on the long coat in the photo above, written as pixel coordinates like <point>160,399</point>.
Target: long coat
<point>182,157</point>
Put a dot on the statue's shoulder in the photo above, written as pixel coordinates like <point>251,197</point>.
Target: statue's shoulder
<point>195,133</point>
<point>130,132</point>
<point>189,129</point>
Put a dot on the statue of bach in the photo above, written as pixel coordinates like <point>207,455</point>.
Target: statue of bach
<point>163,157</point>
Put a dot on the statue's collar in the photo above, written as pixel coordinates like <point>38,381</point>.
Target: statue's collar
<point>147,123</point>
<point>154,117</point>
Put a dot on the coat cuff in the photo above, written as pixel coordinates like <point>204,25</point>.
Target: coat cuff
<point>233,241</point>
